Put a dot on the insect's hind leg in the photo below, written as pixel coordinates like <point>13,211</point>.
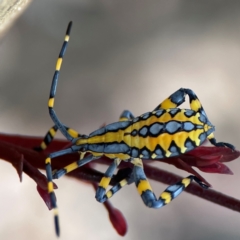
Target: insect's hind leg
<point>173,101</point>
<point>145,190</point>
<point>197,106</point>
<point>178,97</point>
<point>213,141</point>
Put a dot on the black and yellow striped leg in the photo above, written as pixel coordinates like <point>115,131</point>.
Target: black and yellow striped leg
<point>59,126</point>
<point>82,161</point>
<point>60,173</point>
<point>196,106</point>
<point>178,97</point>
<point>47,139</point>
<point>145,190</point>
<point>50,184</point>
<point>213,141</point>
<point>102,194</point>
<point>173,101</point>
<point>50,136</point>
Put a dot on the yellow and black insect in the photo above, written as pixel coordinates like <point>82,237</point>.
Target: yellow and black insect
<point>165,132</point>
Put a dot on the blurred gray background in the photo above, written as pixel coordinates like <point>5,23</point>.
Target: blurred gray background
<point>121,55</point>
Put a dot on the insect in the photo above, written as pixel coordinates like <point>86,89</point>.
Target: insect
<point>165,132</point>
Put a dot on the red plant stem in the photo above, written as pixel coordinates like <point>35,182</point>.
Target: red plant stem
<point>15,148</point>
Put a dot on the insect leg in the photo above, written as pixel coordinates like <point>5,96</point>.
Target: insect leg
<point>126,115</point>
<point>178,97</point>
<point>82,161</point>
<point>60,173</point>
<point>213,141</point>
<point>50,136</point>
<point>145,190</point>
<point>194,102</point>
<point>173,101</point>
<point>101,194</point>
<point>47,139</point>
<point>50,184</point>
<point>196,106</point>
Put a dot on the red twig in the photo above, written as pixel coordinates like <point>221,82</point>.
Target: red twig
<point>18,150</point>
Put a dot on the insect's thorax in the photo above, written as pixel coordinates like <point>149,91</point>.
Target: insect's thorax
<point>153,135</point>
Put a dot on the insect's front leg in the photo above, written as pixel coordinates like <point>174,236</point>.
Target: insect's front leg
<point>82,161</point>
<point>50,184</point>
<point>51,134</point>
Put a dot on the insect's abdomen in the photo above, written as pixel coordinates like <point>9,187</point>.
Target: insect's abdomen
<point>154,135</point>
<point>168,133</point>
